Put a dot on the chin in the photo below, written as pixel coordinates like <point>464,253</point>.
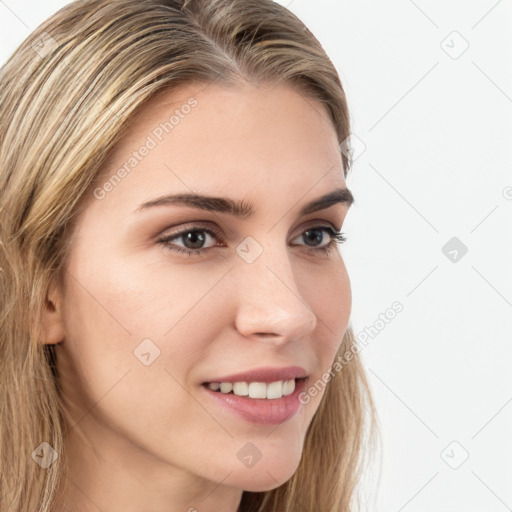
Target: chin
<point>265,477</point>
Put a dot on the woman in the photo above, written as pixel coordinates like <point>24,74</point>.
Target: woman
<point>174,307</point>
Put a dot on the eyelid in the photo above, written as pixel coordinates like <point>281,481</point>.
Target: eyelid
<point>206,225</point>
<point>317,222</point>
<point>190,226</point>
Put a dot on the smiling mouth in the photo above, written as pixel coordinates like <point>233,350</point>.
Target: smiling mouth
<point>256,390</point>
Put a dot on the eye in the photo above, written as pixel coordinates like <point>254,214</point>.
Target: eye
<point>315,235</point>
<point>195,237</point>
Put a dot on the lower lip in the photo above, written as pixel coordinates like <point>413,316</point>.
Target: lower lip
<point>262,411</point>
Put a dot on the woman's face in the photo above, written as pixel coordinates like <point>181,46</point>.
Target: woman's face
<point>148,323</point>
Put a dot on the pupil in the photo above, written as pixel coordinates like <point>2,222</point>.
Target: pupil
<point>195,238</point>
<point>317,237</point>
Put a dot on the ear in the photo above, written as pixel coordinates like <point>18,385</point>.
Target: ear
<point>52,327</point>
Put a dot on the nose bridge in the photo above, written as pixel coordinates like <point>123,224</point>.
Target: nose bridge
<point>269,301</point>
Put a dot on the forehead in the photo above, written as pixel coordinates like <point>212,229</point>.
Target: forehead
<point>196,118</point>
<point>235,141</point>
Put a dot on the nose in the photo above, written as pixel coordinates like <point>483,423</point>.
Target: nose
<point>270,305</point>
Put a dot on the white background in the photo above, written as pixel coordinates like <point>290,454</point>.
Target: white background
<point>432,161</point>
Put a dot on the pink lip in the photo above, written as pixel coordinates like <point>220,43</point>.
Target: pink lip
<point>260,411</point>
<point>266,374</point>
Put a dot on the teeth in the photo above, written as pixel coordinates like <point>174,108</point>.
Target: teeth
<point>226,387</point>
<point>271,391</point>
<point>288,387</point>
<point>258,390</point>
<point>275,389</point>
<point>241,388</point>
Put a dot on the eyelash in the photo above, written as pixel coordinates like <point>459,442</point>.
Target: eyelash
<point>337,237</point>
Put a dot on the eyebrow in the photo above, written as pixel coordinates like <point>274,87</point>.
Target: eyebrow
<point>242,208</point>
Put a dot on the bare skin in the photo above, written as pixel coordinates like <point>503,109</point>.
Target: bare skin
<point>148,437</point>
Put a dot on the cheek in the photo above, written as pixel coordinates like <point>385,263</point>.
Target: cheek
<point>133,301</point>
<point>152,323</point>
<point>328,294</point>
<point>133,340</point>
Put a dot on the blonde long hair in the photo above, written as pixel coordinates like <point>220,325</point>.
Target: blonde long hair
<point>67,95</point>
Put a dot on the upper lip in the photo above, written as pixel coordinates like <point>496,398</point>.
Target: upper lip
<point>265,374</point>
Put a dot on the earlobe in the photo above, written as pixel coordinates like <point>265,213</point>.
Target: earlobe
<point>52,319</point>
